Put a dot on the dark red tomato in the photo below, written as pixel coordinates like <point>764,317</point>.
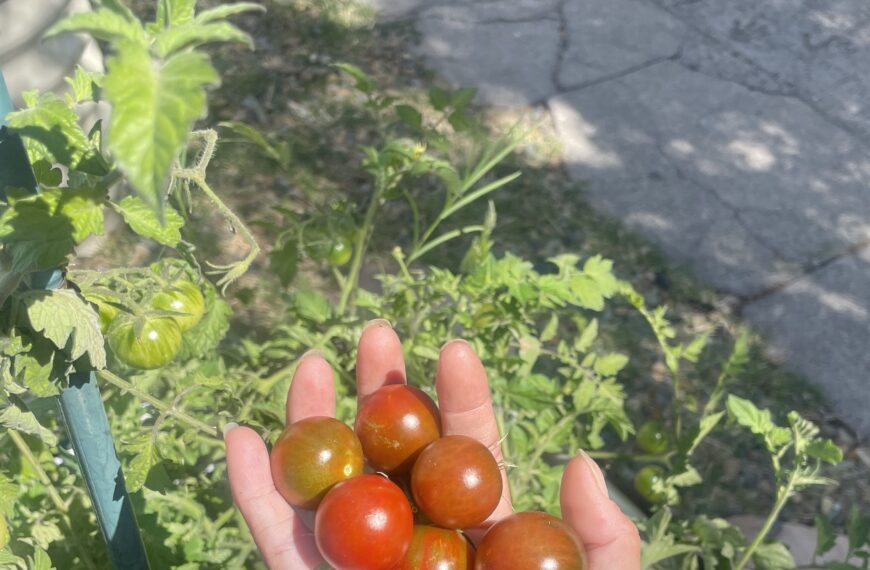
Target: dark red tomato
<point>531,541</point>
<point>364,523</point>
<point>394,425</point>
<point>456,482</point>
<point>434,548</point>
<point>311,456</point>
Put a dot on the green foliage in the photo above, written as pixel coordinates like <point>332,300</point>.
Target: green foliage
<point>557,377</point>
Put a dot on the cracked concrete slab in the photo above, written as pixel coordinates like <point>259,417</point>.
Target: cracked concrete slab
<point>596,49</point>
<point>514,46</point>
<point>819,326</point>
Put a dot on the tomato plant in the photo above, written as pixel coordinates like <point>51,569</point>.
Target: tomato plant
<point>434,548</point>
<point>652,438</point>
<point>184,298</point>
<point>394,425</point>
<point>533,541</point>
<point>364,522</point>
<point>340,252</point>
<point>312,455</point>
<point>144,343</point>
<point>456,482</point>
<point>645,481</point>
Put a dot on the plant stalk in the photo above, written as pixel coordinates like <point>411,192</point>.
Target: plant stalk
<point>781,500</point>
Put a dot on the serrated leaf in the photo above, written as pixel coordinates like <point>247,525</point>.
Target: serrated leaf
<point>826,537</point>
<point>111,22</point>
<point>137,470</point>
<point>825,450</point>
<point>65,319</point>
<point>142,219</point>
<point>748,415</point>
<point>8,495</point>
<point>36,369</point>
<point>41,559</point>
<point>551,328</point>
<point>610,364</point>
<point>84,85</point>
<point>13,417</point>
<point>175,12</point>
<point>410,116</point>
<point>704,428</point>
<point>195,34</point>
<point>653,553</point>
<point>587,337</point>
<point>773,556</point>
<point>284,261</point>
<point>312,305</point>
<point>209,331</point>
<point>601,270</point>
<point>687,478</point>
<point>154,105</point>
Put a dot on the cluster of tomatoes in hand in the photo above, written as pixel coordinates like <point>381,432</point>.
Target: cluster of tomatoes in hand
<point>428,487</point>
<point>148,342</point>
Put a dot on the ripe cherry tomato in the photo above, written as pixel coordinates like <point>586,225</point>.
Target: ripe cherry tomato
<point>394,425</point>
<point>652,438</point>
<point>434,548</point>
<point>456,482</point>
<point>181,297</point>
<point>340,252</point>
<point>644,481</point>
<point>364,523</point>
<point>531,541</point>
<point>312,455</point>
<point>144,343</point>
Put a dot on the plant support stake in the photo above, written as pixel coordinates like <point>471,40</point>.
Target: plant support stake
<point>80,403</point>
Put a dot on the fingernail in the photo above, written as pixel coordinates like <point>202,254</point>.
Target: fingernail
<point>312,352</point>
<point>377,323</point>
<point>454,341</point>
<point>228,427</point>
<point>596,473</point>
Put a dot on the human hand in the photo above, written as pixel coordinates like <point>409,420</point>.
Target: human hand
<point>610,538</point>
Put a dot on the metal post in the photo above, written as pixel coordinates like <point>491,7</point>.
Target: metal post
<point>80,403</point>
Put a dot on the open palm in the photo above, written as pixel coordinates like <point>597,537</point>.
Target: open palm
<point>610,538</point>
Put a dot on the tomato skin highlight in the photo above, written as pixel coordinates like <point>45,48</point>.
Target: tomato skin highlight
<point>531,541</point>
<point>394,424</point>
<point>184,297</point>
<point>144,343</point>
<point>456,482</point>
<point>652,438</point>
<point>312,455</point>
<point>644,480</point>
<point>434,548</point>
<point>364,523</point>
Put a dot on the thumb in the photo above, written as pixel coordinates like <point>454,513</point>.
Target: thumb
<point>610,538</point>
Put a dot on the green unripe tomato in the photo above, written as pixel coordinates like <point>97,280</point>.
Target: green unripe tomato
<point>340,252</point>
<point>106,311</point>
<point>644,481</point>
<point>144,343</point>
<point>652,438</point>
<point>4,532</point>
<point>181,297</point>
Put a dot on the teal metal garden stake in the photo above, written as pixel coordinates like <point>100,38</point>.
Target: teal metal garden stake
<point>80,403</point>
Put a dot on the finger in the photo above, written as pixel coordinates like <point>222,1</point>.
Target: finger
<point>466,409</point>
<point>610,538</point>
<point>283,540</point>
<point>379,358</point>
<point>312,391</point>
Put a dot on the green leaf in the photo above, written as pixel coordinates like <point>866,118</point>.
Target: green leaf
<point>41,560</point>
<point>8,495</point>
<point>463,97</point>
<point>284,261</point>
<point>438,98</point>
<point>195,34</point>
<point>704,428</point>
<point>208,332</point>
<point>586,292</point>
<point>857,529</point>
<point>38,369</point>
<point>312,306</point>
<point>410,116</point>
<point>601,270</point>
<point>84,85</point>
<point>51,131</point>
<point>13,417</point>
<point>111,22</point>
<point>748,415</point>
<point>587,337</point>
<point>652,554</point>
<point>137,470</point>
<point>550,330</point>
<point>175,12</point>
<point>227,10</point>
<point>363,82</point>
<point>610,364</point>
<point>825,450</point>
<point>67,321</point>
<point>142,219</point>
<point>773,556</point>
<point>154,106</point>
<point>826,537</point>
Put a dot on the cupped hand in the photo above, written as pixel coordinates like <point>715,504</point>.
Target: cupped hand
<point>610,538</point>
